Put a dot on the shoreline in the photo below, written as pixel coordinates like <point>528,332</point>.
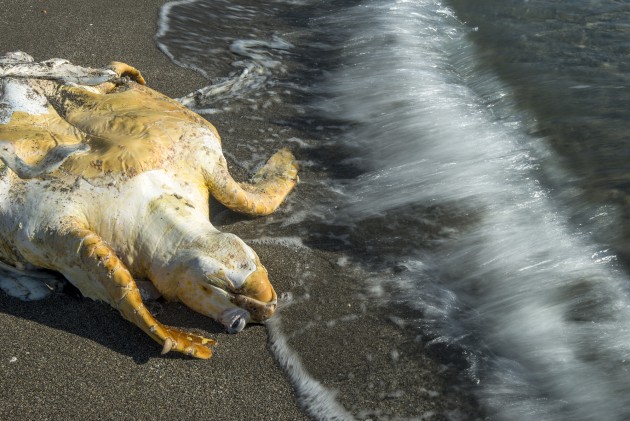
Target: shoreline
<point>75,350</point>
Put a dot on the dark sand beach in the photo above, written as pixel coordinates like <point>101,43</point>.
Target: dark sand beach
<point>72,358</point>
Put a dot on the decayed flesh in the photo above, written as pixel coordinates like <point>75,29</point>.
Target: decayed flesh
<point>108,181</point>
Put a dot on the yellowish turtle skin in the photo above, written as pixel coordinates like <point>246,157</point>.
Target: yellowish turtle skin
<point>108,182</point>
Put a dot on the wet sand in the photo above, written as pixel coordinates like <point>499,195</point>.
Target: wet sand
<point>77,359</point>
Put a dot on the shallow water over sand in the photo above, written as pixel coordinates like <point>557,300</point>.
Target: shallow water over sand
<point>468,215</point>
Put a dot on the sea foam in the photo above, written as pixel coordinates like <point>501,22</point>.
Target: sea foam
<point>523,291</point>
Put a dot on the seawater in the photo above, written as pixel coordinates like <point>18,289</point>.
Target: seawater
<point>479,180</point>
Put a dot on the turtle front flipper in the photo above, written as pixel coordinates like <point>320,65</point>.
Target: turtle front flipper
<point>269,186</point>
<point>93,267</point>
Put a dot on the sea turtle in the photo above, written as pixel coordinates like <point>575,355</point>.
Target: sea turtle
<point>108,181</point>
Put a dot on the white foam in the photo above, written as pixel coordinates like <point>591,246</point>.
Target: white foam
<point>317,400</point>
<point>164,27</point>
<point>301,143</point>
<point>289,242</point>
<point>294,217</point>
<point>541,307</point>
<point>256,60</point>
<point>256,67</point>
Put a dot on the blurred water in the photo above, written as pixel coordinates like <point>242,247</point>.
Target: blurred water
<point>479,179</point>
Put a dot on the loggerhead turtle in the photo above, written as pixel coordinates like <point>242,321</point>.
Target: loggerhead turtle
<point>106,181</point>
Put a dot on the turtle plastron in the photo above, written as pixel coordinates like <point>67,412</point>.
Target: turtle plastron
<point>111,180</point>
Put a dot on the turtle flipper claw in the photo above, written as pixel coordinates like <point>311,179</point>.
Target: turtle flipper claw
<point>186,343</point>
<point>281,165</point>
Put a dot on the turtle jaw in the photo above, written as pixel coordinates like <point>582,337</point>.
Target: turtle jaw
<point>248,310</point>
<point>255,299</point>
<point>256,295</point>
<point>258,310</point>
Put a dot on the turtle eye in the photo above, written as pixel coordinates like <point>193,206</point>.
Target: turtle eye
<point>220,280</point>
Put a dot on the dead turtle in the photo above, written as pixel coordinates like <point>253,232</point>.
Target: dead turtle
<point>108,182</point>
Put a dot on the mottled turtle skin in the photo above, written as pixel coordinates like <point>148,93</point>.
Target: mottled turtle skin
<point>108,182</point>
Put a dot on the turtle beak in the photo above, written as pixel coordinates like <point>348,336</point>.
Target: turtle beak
<point>257,296</point>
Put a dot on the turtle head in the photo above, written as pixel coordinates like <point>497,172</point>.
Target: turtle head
<point>225,280</point>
